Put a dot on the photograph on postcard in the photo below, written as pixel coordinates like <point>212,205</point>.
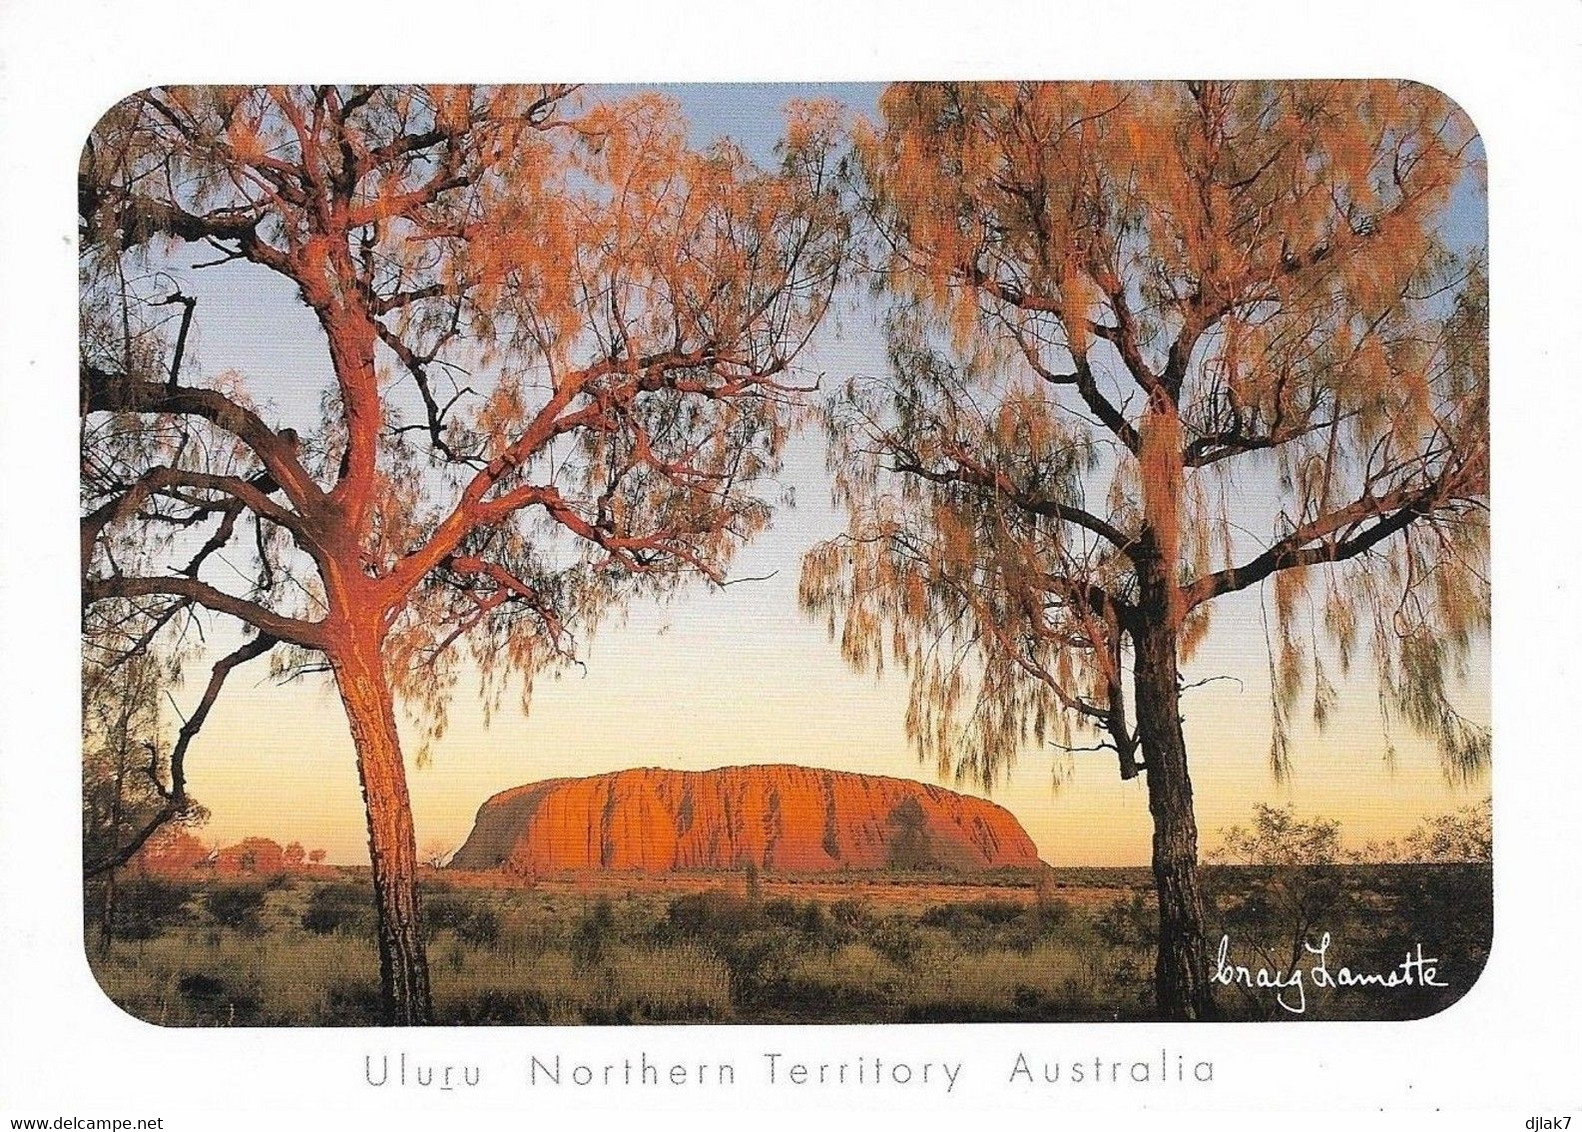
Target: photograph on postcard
<point>777,553</point>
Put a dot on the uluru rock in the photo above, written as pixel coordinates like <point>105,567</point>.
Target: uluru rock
<point>782,819</point>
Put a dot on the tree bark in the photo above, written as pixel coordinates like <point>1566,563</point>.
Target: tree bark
<point>1181,985</point>
<point>392,848</point>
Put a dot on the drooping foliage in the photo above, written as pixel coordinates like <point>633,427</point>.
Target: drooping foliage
<point>563,344</point>
<point>1212,334</point>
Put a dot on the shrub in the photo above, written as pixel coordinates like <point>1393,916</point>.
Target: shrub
<point>851,914</point>
<point>781,910</point>
<point>446,910</point>
<point>755,959</point>
<point>1053,912</point>
<point>1465,836</point>
<point>482,928</point>
<point>896,939</point>
<point>972,915</point>
<point>1128,923</point>
<point>146,908</point>
<point>497,1008</point>
<point>213,1001</point>
<point>442,911</point>
<point>594,932</point>
<point>338,908</point>
<point>1053,909</point>
<point>258,856</point>
<point>714,912</point>
<point>352,1004</point>
<point>236,906</point>
<point>1278,837</point>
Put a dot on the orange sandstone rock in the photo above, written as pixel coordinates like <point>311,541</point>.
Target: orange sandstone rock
<point>780,818</point>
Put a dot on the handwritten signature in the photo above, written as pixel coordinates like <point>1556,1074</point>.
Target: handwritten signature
<point>1290,986</point>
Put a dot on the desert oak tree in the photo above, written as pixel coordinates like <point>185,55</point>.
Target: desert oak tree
<point>1152,344</point>
<point>563,346</point>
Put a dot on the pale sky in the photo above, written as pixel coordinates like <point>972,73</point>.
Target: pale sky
<point>742,676</point>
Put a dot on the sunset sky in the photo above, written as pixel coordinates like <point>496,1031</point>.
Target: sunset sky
<point>742,676</point>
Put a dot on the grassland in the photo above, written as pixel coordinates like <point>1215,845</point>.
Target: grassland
<point>1072,945</point>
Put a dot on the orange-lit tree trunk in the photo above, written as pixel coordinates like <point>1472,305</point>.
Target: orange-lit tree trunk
<point>392,847</point>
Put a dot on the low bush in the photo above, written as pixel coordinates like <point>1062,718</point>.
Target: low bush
<point>351,1004</point>
<point>714,912</point>
<point>593,934</point>
<point>471,922</point>
<point>972,915</point>
<point>339,908</point>
<point>147,908</point>
<point>213,1001</point>
<point>897,939</point>
<point>236,906</point>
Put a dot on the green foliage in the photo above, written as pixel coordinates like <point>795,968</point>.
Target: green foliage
<point>465,915</point>
<point>781,910</point>
<point>851,913</point>
<point>236,906</point>
<point>351,1003</point>
<point>1052,911</point>
<point>126,765</point>
<point>1128,922</point>
<point>338,908</point>
<point>1278,837</point>
<point>214,1000</point>
<point>1444,905</point>
<point>1285,892</point>
<point>496,1008</point>
<point>148,907</point>
<point>594,933</point>
<point>1462,836</point>
<point>973,913</point>
<point>482,927</point>
<point>897,938</point>
<point>713,912</point>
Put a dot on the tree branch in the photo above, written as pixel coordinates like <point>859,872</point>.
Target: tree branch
<point>117,393</point>
<point>1001,485</point>
<point>309,634</point>
<point>1314,542</point>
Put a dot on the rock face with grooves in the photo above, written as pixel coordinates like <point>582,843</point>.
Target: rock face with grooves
<point>783,819</point>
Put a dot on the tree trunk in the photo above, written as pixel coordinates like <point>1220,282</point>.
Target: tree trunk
<point>1181,985</point>
<point>392,848</point>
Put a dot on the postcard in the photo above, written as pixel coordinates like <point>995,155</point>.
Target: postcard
<point>937,592</point>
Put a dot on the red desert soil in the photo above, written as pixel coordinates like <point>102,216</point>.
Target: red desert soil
<point>783,820</point>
